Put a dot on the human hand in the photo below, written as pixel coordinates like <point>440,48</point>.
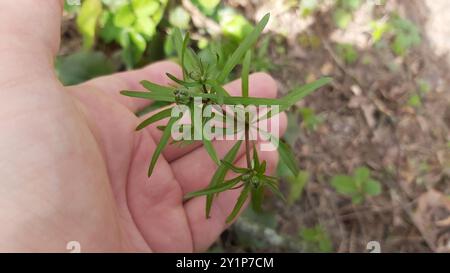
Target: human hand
<point>72,167</point>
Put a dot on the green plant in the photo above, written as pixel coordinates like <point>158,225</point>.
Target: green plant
<point>406,35</point>
<point>129,23</point>
<point>203,77</point>
<point>423,87</point>
<point>310,119</point>
<point>358,186</point>
<point>316,239</point>
<point>347,53</point>
<point>343,13</point>
<point>297,186</point>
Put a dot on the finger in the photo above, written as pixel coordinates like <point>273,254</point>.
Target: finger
<point>206,231</point>
<point>130,80</point>
<point>261,85</point>
<point>199,160</point>
<point>30,32</point>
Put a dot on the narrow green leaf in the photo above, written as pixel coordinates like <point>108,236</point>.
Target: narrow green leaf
<point>162,143</point>
<point>296,95</point>
<point>216,189</point>
<point>234,168</point>
<point>257,198</point>
<point>245,73</point>
<point>274,188</point>
<point>288,158</point>
<point>256,163</point>
<point>248,42</point>
<point>181,82</point>
<point>221,172</point>
<point>156,117</point>
<point>240,202</point>
<point>183,55</point>
<point>301,92</point>
<point>149,96</point>
<point>156,88</point>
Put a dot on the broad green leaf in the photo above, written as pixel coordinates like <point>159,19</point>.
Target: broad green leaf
<point>145,8</point>
<point>361,175</point>
<point>245,73</point>
<point>139,41</point>
<point>87,21</point>
<point>344,184</point>
<point>372,187</point>
<point>145,26</point>
<point>240,202</point>
<point>156,117</point>
<point>248,42</point>
<point>221,172</point>
<point>288,158</point>
<point>149,96</point>
<point>124,17</point>
<point>108,31</point>
<point>162,143</point>
<point>216,189</point>
<point>179,18</point>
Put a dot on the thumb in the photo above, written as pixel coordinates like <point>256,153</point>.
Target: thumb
<point>30,33</point>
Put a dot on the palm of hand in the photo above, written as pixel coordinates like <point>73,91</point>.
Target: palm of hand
<point>74,169</point>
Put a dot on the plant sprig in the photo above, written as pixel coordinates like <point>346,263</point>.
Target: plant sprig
<point>202,79</point>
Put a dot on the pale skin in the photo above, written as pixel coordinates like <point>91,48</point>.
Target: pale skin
<point>72,167</point>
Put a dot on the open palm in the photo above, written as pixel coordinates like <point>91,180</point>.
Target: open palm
<point>72,167</point>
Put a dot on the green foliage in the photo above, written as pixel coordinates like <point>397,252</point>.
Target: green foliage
<point>406,35</point>
<point>208,7</point>
<point>310,119</point>
<point>131,24</point>
<point>358,186</point>
<point>307,7</point>
<point>423,87</point>
<point>347,53</point>
<point>233,24</point>
<point>343,13</point>
<point>203,75</point>
<point>87,21</point>
<point>316,239</point>
<point>297,184</point>
<point>179,18</point>
<point>379,28</point>
<point>82,66</point>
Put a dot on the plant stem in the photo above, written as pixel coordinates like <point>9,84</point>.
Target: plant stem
<point>247,141</point>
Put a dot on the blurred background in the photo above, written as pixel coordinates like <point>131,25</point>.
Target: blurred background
<point>383,123</point>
